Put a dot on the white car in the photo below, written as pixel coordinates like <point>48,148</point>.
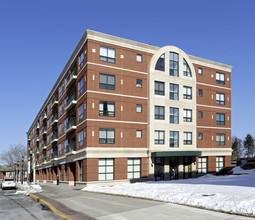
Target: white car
<point>8,183</point>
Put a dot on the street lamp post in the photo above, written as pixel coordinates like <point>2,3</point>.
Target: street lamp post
<point>22,163</point>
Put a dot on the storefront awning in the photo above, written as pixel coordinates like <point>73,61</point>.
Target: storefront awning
<point>175,153</point>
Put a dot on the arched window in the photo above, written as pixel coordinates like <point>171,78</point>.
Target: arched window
<point>174,64</point>
<point>160,65</point>
<point>186,69</point>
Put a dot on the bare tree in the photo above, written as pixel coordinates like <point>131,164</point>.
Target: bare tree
<point>237,147</point>
<point>14,155</point>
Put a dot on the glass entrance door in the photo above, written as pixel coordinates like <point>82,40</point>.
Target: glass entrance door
<point>159,168</point>
<point>174,172</point>
<point>187,167</point>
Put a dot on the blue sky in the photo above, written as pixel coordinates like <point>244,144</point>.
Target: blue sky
<point>38,37</point>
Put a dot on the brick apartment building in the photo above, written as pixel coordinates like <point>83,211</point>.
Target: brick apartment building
<point>123,110</point>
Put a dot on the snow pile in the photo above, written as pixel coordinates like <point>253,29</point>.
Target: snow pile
<point>27,189</point>
<point>232,193</point>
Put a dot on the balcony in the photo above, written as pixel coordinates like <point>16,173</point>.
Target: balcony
<point>43,160</point>
<point>70,148</point>
<point>44,116</point>
<point>71,125</point>
<point>54,156</point>
<point>70,79</point>
<point>37,126</point>
<point>71,101</point>
<point>54,119</point>
<point>44,146</point>
<point>54,101</point>
<point>54,137</point>
<point>37,138</point>
<point>37,151</point>
<point>44,130</point>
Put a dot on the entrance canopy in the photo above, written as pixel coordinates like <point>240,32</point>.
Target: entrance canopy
<point>175,153</point>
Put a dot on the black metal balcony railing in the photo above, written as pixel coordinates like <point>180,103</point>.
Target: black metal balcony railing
<point>54,117</point>
<point>54,155</point>
<point>44,129</point>
<point>44,115</point>
<point>71,122</point>
<point>54,99</point>
<point>71,98</point>
<point>71,75</point>
<point>54,136</point>
<point>70,147</point>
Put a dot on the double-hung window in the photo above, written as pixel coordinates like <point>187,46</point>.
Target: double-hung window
<point>107,108</point>
<point>220,98</point>
<point>200,71</point>
<point>107,54</point>
<point>106,81</point>
<point>186,69</point>
<point>220,139</point>
<point>187,115</point>
<point>81,59</point>
<point>160,112</point>
<point>105,169</point>
<point>219,163</point>
<point>174,115</point>
<point>159,137</point>
<point>187,138</point>
<point>174,92</point>
<point>187,92</point>
<point>80,138</point>
<point>174,64</point>
<point>81,85</point>
<point>134,168</point>
<point>106,136</point>
<point>202,165</point>
<point>80,111</point>
<point>220,78</point>
<point>159,88</point>
<point>200,92</point>
<point>200,114</point>
<point>174,138</point>
<point>138,133</point>
<point>139,58</point>
<point>220,119</point>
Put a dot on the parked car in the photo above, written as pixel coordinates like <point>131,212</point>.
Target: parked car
<point>224,171</point>
<point>8,183</point>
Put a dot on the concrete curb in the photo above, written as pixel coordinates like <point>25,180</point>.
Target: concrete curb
<point>62,215</point>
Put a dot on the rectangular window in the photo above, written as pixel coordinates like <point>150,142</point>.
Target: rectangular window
<point>159,88</point>
<point>200,92</point>
<point>60,128</point>
<point>174,64</point>
<point>80,138</point>
<point>220,119</point>
<point>187,138</point>
<point>174,115</point>
<point>48,123</point>
<point>107,108</point>
<point>60,149</point>
<point>81,85</point>
<point>202,165</point>
<point>138,133</point>
<point>187,115</point>
<point>81,59</point>
<point>219,163</point>
<point>139,58</point>
<point>174,138</point>
<point>106,81</point>
<point>80,112</point>
<point>81,170</point>
<point>134,168</point>
<point>106,136</point>
<point>160,112</point>
<point>220,78</point>
<point>200,71</point>
<point>139,108</point>
<point>107,54</point>
<point>60,109</point>
<point>220,139</point>
<point>105,169</point>
<point>220,98</point>
<point>200,114</point>
<point>200,136</point>
<point>187,92</point>
<point>66,146</point>
<point>139,83</point>
<point>66,123</point>
<point>159,137</point>
<point>48,139</point>
<point>60,90</point>
<point>174,92</point>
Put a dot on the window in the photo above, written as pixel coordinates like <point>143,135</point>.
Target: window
<point>220,139</point>
<point>200,92</point>
<point>200,136</point>
<point>174,138</point>
<point>105,169</point>
<point>220,78</point>
<point>139,108</point>
<point>66,100</point>
<point>48,139</point>
<point>106,136</point>
<point>60,128</point>
<point>200,114</point>
<point>48,123</point>
<point>200,71</point>
<point>174,115</point>
<point>139,83</point>
<point>159,137</point>
<point>81,85</point>
<point>66,146</point>
<point>174,64</point>
<point>159,88</point>
<point>187,115</point>
<point>160,112</point>
<point>60,149</point>
<point>220,98</point>
<point>202,165</point>
<point>107,54</point>
<point>160,65</point>
<point>134,168</point>
<point>60,90</point>
<point>48,108</point>
<point>66,123</point>
<point>139,58</point>
<point>80,138</point>
<point>60,109</point>
<point>187,92</point>
<point>187,138</point>
<point>81,170</point>
<point>219,163</point>
<point>186,69</point>
<point>107,108</point>
<point>80,112</point>
<point>220,119</point>
<point>138,133</point>
<point>106,81</point>
<point>81,59</point>
<point>174,92</point>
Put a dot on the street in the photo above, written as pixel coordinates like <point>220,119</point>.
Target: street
<point>22,207</point>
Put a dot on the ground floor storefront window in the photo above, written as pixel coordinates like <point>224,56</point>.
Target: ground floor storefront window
<point>202,165</point>
<point>134,168</point>
<point>219,163</point>
<point>105,169</point>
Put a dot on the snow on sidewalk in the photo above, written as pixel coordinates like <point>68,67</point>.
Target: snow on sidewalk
<point>26,189</point>
<point>232,193</point>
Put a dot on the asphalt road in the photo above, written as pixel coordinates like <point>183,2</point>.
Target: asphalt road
<point>21,207</point>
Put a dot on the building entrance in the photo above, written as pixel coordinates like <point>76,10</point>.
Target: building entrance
<point>159,168</point>
<point>187,167</point>
<point>174,171</point>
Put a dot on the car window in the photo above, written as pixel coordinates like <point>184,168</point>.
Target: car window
<point>8,180</point>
